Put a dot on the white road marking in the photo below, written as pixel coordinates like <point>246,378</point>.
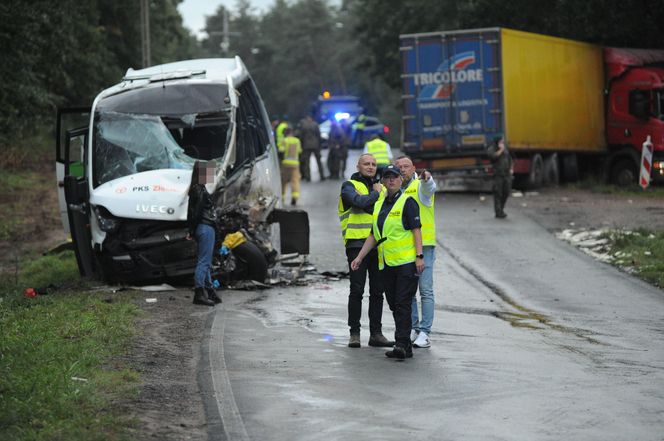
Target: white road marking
<point>223,392</point>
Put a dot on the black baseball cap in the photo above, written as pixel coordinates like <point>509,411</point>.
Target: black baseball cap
<point>391,169</point>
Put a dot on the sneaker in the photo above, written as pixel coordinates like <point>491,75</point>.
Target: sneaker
<point>354,341</point>
<point>400,353</point>
<point>379,340</point>
<point>413,335</point>
<point>422,341</point>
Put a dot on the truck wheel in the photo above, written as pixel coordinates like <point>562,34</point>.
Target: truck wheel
<point>251,262</point>
<point>551,170</point>
<point>570,168</point>
<point>624,173</point>
<point>536,174</point>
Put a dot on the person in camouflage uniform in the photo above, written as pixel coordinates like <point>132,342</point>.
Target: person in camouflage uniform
<point>502,174</point>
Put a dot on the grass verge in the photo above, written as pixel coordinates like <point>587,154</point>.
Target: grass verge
<point>640,252</point>
<point>55,381</point>
<point>597,185</point>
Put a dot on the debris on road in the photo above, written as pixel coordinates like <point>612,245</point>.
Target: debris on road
<point>592,242</point>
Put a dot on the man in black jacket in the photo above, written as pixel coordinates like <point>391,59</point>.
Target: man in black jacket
<point>358,196</point>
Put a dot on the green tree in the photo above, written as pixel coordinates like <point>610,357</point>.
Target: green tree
<point>380,22</point>
<point>628,23</point>
<point>623,23</point>
<point>63,53</point>
<point>291,51</point>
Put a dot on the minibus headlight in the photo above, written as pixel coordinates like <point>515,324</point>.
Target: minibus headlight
<point>107,222</point>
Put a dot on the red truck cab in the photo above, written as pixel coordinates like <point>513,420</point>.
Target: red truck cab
<point>634,111</point>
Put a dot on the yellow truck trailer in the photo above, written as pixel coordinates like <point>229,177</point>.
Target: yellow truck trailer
<point>558,102</point>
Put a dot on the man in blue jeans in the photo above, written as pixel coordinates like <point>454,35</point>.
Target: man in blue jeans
<point>423,190</point>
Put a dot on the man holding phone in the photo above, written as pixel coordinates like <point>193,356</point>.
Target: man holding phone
<point>356,203</point>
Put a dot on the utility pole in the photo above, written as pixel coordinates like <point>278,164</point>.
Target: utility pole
<point>225,33</point>
<point>225,40</point>
<point>145,33</point>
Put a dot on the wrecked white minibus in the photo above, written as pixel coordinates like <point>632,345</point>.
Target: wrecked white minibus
<point>124,166</point>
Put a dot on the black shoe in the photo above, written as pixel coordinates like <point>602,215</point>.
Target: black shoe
<point>400,353</point>
<point>501,215</point>
<point>212,295</point>
<point>354,341</point>
<point>200,298</point>
<point>293,202</point>
<point>380,341</point>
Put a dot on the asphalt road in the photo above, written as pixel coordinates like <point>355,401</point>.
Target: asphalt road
<point>532,340</point>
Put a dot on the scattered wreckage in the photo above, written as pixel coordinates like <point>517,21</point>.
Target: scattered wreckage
<point>124,167</point>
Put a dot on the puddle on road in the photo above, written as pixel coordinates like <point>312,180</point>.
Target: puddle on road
<point>524,317</point>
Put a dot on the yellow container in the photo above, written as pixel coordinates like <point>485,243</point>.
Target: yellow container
<point>553,93</point>
<point>233,240</point>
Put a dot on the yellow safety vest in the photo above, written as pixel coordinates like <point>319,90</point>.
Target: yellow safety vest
<point>355,222</point>
<point>427,215</point>
<point>291,148</point>
<point>399,247</point>
<point>378,148</point>
<point>359,123</point>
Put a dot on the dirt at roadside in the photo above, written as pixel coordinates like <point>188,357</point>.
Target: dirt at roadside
<point>558,209</point>
<point>166,354</point>
<point>30,217</point>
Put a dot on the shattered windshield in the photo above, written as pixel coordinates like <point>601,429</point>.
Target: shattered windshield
<point>126,144</point>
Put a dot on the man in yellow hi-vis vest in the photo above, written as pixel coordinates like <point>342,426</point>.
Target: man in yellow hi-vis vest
<point>423,190</point>
<point>381,151</point>
<point>358,196</point>
<point>396,229</point>
<point>290,165</point>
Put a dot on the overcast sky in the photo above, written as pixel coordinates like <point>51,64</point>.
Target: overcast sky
<point>194,11</point>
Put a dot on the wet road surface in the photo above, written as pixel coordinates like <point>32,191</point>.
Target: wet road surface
<point>532,340</point>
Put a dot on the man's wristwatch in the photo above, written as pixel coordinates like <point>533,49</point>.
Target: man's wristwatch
<point>420,256</point>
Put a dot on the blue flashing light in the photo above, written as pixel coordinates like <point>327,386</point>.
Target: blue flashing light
<point>341,115</point>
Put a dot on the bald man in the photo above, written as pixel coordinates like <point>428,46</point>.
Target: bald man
<point>356,202</point>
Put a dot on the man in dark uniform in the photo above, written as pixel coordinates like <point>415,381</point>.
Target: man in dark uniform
<point>397,231</point>
<point>309,133</point>
<point>502,174</point>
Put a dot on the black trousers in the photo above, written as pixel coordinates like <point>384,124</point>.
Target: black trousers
<point>357,281</point>
<point>400,287</point>
<point>304,164</point>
